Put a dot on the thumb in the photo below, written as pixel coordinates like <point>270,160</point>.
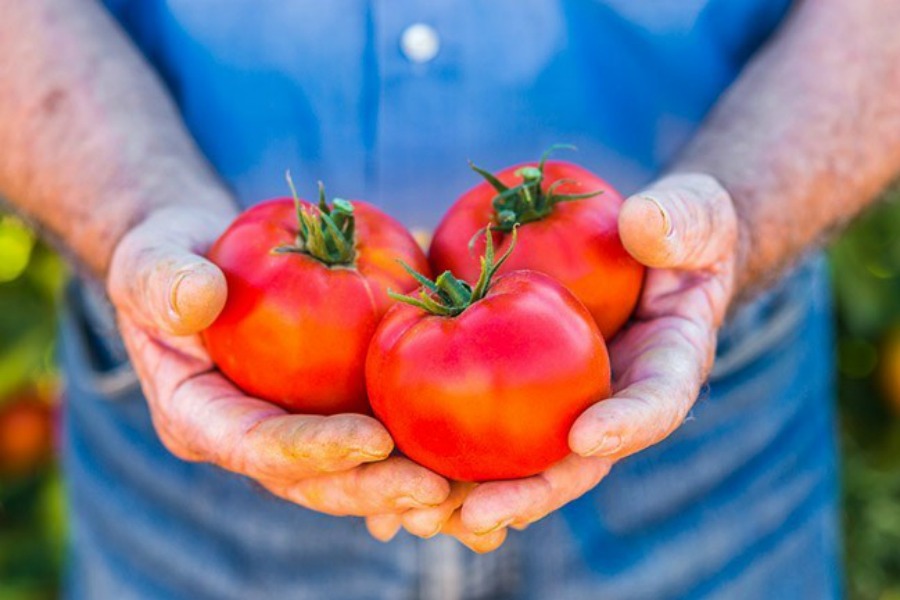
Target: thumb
<point>158,279</point>
<point>683,221</point>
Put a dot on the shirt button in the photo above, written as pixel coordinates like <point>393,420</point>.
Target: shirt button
<point>420,43</point>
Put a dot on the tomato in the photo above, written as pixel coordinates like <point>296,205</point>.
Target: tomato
<point>569,230</point>
<point>484,383</point>
<point>26,433</point>
<point>306,288</point>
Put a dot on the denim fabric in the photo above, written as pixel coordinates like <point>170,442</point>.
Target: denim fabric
<point>739,503</point>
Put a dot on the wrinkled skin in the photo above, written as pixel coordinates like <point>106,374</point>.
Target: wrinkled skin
<point>577,243</point>
<point>492,392</point>
<point>295,331</point>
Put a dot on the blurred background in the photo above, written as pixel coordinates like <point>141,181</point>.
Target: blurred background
<point>866,269</point>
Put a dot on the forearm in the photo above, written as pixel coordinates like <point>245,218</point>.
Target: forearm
<point>90,141</point>
<point>810,132</point>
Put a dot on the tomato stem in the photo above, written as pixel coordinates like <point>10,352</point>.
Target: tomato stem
<point>527,201</point>
<point>326,233</point>
<point>448,296</point>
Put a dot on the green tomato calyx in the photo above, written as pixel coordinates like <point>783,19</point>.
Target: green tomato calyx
<point>528,201</point>
<point>448,296</point>
<point>326,233</point>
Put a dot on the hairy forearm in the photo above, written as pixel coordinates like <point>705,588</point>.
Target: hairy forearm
<point>89,141</point>
<point>810,132</point>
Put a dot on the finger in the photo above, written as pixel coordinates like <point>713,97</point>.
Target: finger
<point>428,522</point>
<point>389,486</point>
<point>683,221</point>
<point>478,543</point>
<point>383,527</point>
<point>496,505</point>
<point>157,276</point>
<point>255,438</point>
<point>202,416</point>
<point>662,365</point>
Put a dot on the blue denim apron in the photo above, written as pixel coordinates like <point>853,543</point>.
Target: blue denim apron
<point>741,502</point>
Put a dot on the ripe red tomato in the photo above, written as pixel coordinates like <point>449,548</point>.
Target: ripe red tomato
<point>569,230</point>
<point>26,433</point>
<point>488,388</point>
<point>306,288</point>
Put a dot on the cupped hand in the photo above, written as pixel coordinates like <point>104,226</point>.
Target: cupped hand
<point>684,228</point>
<point>164,293</point>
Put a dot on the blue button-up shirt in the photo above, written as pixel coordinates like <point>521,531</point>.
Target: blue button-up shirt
<point>326,89</point>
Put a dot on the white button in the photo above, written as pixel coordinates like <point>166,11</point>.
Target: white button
<point>420,43</point>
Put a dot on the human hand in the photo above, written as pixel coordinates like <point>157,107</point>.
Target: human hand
<point>165,292</point>
<point>684,228</point>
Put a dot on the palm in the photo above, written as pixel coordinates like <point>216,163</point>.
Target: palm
<point>311,460</point>
<point>670,345</point>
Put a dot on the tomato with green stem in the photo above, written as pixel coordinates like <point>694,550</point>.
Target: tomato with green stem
<point>569,230</point>
<point>483,382</point>
<point>307,286</point>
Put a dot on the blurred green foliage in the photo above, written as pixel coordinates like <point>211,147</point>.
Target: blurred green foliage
<point>31,499</point>
<point>866,269</point>
<point>32,533</point>
<point>30,280</point>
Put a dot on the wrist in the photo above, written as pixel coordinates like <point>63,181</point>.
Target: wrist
<point>191,219</point>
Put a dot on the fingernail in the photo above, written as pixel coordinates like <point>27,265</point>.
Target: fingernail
<point>667,222</point>
<point>378,455</point>
<point>497,527</point>
<point>173,291</point>
<point>413,502</point>
<point>610,444</point>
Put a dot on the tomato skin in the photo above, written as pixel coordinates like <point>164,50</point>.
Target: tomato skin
<point>577,243</point>
<point>295,331</point>
<point>491,393</point>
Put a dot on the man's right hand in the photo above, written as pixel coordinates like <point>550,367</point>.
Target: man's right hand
<point>165,292</point>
